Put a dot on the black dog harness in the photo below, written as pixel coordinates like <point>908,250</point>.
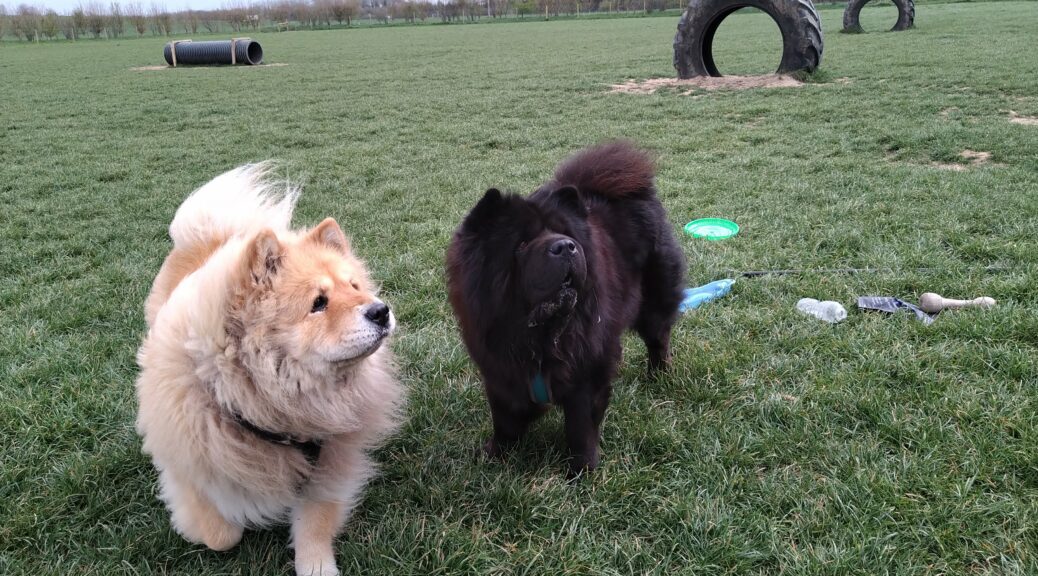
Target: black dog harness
<point>311,449</point>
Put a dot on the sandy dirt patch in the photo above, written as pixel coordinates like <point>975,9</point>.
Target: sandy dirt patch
<point>687,87</point>
<point>1025,120</point>
<point>976,158</point>
<point>149,68</point>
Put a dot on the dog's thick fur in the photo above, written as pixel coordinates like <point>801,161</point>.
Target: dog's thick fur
<point>547,284</point>
<point>258,330</point>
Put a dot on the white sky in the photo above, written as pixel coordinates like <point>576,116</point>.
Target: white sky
<point>66,6</point>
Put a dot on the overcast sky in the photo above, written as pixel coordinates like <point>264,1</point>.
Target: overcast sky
<point>66,6</point>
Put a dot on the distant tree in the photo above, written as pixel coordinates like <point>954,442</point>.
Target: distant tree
<point>302,13</point>
<point>49,26</point>
<point>135,14</point>
<point>321,11</point>
<point>3,21</point>
<point>351,8</point>
<point>115,20</point>
<point>337,10</point>
<point>95,18</point>
<point>161,21</point>
<point>278,12</point>
<point>67,28</point>
<point>167,22</point>
<point>207,18</point>
<point>380,14</point>
<point>340,10</point>
<point>78,21</point>
<point>26,22</point>
<point>408,10</point>
<point>235,14</point>
<point>190,22</point>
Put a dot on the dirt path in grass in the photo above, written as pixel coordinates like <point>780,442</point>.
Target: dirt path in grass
<point>651,85</point>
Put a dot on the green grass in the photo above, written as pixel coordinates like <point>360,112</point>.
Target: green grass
<point>777,444</point>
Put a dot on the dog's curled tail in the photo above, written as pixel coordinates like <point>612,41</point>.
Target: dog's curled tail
<point>240,201</point>
<point>615,169</point>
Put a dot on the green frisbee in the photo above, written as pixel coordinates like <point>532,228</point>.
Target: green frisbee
<point>712,228</point>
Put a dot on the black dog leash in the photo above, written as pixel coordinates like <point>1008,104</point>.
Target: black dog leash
<point>797,271</point>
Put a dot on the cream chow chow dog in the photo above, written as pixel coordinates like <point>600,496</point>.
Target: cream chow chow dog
<point>264,376</point>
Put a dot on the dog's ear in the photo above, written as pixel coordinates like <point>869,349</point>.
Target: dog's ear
<point>329,234</point>
<point>486,211</point>
<point>568,198</point>
<point>263,257</point>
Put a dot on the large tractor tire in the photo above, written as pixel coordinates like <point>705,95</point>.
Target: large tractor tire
<point>797,20</point>
<point>905,15</point>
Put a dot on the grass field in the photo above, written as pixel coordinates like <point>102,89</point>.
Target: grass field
<point>777,444</point>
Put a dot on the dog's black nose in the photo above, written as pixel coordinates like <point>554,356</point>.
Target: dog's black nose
<point>378,313</point>
<point>562,247</point>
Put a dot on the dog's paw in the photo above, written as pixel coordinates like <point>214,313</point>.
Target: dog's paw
<point>318,568</point>
<point>581,465</point>
<point>223,537</point>
<point>492,449</point>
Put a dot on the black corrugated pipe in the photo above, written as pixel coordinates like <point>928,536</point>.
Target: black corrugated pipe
<point>245,51</point>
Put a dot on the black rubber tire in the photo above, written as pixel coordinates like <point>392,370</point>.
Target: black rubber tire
<point>797,20</point>
<point>905,15</point>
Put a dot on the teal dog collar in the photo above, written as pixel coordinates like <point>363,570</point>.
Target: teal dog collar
<point>540,392</point>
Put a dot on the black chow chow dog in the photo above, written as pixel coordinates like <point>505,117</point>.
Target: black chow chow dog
<point>544,286</point>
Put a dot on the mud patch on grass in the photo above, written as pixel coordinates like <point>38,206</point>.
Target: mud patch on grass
<point>976,159</point>
<point>690,86</point>
<point>150,68</point>
<point>1024,120</point>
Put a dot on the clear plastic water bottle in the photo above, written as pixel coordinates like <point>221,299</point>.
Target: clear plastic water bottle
<point>705,293</point>
<point>827,310</point>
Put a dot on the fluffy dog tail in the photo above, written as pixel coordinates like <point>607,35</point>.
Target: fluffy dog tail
<point>615,169</point>
<point>241,201</point>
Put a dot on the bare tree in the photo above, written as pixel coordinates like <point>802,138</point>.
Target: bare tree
<point>78,21</point>
<point>137,18</point>
<point>321,10</point>
<point>343,10</point>
<point>406,10</point>
<point>302,13</point>
<point>3,21</point>
<point>68,30</point>
<point>337,10</point>
<point>278,11</point>
<point>161,21</point>
<point>115,20</point>
<point>49,24</point>
<point>235,14</point>
<point>167,21</point>
<point>95,18</point>
<point>191,21</point>
<point>209,20</point>
<point>26,22</point>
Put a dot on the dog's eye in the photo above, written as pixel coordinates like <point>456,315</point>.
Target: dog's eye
<point>355,286</point>
<point>320,303</point>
